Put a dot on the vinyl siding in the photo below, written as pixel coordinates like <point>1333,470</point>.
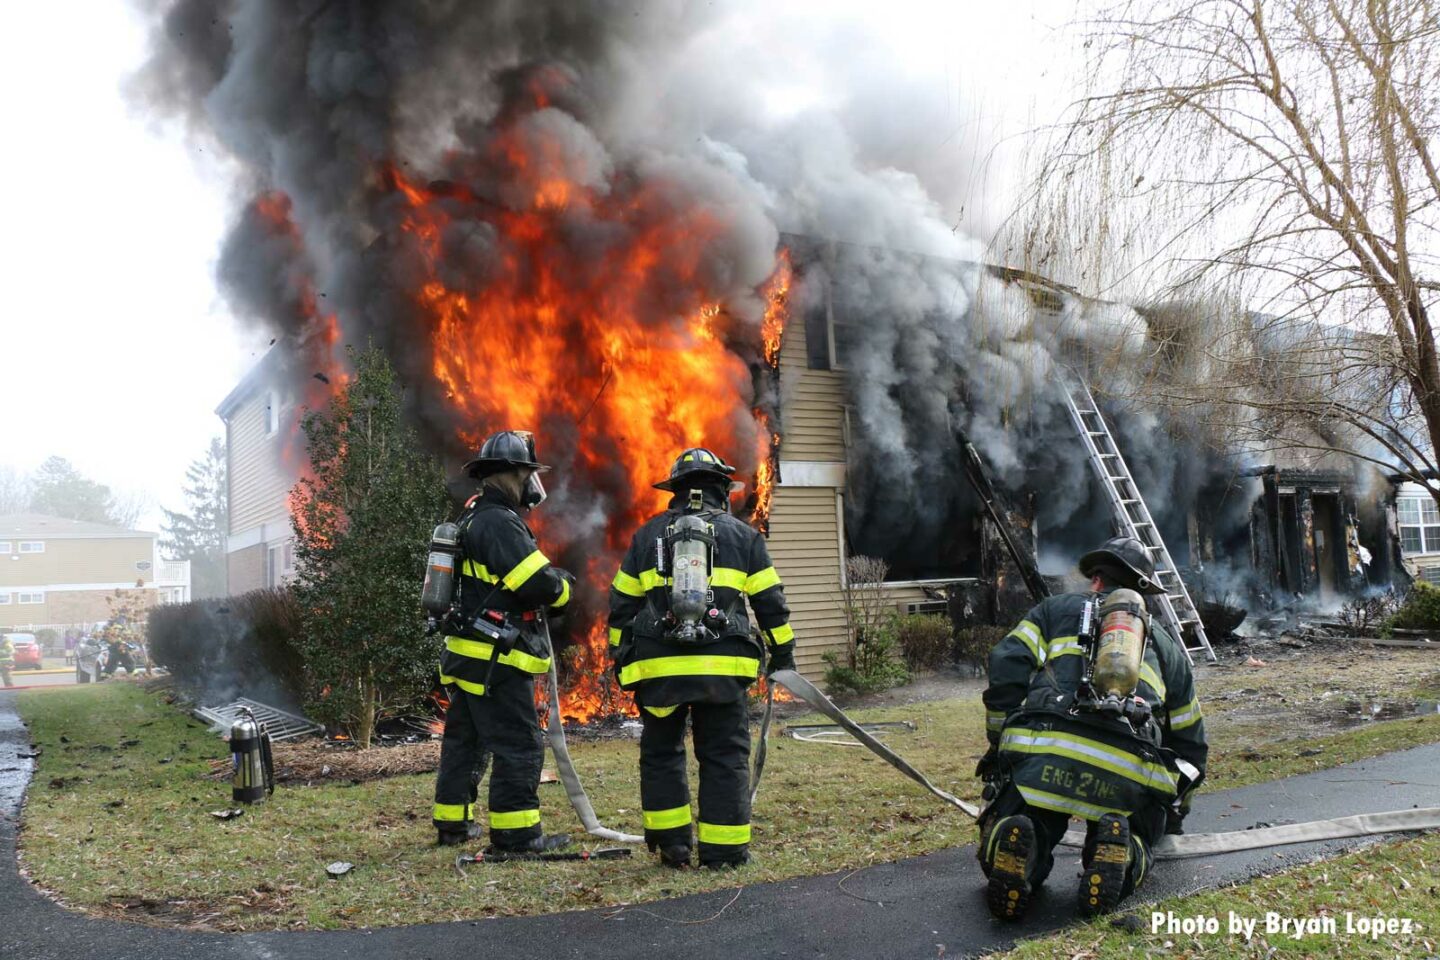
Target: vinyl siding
<point>812,411</point>
<point>259,481</point>
<point>97,560</point>
<point>805,545</point>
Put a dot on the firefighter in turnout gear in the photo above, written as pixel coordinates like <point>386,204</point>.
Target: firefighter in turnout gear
<point>682,641</point>
<point>493,649</point>
<point>1060,747</point>
<point>7,659</point>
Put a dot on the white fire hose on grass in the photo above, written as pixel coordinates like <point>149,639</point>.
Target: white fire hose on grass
<point>565,767</point>
<point>1171,847</point>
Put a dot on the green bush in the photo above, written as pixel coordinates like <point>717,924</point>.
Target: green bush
<point>1421,609</point>
<point>878,665</point>
<point>973,645</point>
<point>49,640</point>
<point>925,639</point>
<point>234,647</point>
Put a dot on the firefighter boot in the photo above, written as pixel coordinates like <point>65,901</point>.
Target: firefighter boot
<point>458,838</point>
<point>675,855</point>
<point>1102,884</point>
<point>541,844</point>
<point>1010,862</point>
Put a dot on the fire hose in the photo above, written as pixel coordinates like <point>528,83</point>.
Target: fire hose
<point>1171,847</point>
<point>555,728</point>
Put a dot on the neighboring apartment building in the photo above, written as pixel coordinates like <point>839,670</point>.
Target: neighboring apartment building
<point>1418,520</point>
<point>259,424</point>
<point>63,573</point>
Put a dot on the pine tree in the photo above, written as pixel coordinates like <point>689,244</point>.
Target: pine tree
<point>59,490</point>
<point>198,533</point>
<point>362,523</point>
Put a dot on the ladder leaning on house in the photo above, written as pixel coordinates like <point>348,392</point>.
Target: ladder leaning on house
<point>1132,517</point>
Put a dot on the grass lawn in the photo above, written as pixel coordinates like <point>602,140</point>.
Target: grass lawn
<point>117,820</point>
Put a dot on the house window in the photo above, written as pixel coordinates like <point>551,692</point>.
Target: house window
<point>1419,524</point>
<point>32,546</point>
<point>1431,575</point>
<point>289,565</point>
<point>272,413</point>
<point>273,566</point>
<point>4,599</point>
<point>30,598</point>
<point>4,547</point>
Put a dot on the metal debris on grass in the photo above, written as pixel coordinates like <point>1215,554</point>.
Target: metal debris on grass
<point>338,869</point>
<point>281,724</point>
<point>227,814</point>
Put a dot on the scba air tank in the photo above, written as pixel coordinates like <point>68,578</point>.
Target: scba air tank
<point>690,570</point>
<point>438,591</point>
<point>1120,649</point>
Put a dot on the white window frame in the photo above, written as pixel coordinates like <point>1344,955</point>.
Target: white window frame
<point>1428,529</point>
<point>4,547</point>
<point>4,598</point>
<point>30,599</point>
<point>32,546</point>
<point>287,564</point>
<point>272,413</point>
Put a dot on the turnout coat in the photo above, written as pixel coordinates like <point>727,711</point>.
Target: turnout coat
<point>1082,763</point>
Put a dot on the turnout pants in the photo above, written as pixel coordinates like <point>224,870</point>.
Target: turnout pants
<point>503,725</point>
<point>722,749</point>
<point>1146,826</point>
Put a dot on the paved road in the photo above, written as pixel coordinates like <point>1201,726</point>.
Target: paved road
<point>928,906</point>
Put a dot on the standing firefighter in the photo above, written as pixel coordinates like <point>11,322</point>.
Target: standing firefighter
<point>7,659</point>
<point>493,650</point>
<point>682,641</point>
<point>1091,712</point>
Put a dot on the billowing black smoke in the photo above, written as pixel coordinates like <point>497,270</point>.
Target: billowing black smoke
<point>315,101</point>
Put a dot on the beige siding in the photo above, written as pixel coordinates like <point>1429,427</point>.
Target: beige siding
<point>245,569</point>
<point>259,480</point>
<point>812,413</point>
<point>805,545</point>
<point>90,560</point>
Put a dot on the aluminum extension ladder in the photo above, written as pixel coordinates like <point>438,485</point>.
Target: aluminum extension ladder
<point>1132,517</point>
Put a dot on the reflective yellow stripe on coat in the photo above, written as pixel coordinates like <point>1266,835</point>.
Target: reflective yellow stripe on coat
<point>690,666</point>
<point>480,650</point>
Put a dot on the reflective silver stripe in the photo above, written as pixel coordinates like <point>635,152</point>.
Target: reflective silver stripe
<point>1148,674</point>
<point>1188,716</point>
<point>1030,635</point>
<point>1065,647</point>
<point>1084,749</point>
<point>1053,801</point>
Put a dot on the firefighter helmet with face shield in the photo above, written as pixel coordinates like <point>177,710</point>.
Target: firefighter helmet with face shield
<point>1128,562</point>
<point>511,450</point>
<point>696,465</point>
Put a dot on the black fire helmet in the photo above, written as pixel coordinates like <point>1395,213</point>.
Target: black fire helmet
<point>505,450</point>
<point>695,464</point>
<point>1124,554</point>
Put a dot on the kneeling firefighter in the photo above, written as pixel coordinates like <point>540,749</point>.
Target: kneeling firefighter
<point>1090,712</point>
<point>681,640</point>
<point>494,647</point>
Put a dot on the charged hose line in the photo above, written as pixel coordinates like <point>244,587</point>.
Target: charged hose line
<point>1172,847</point>
<point>555,728</point>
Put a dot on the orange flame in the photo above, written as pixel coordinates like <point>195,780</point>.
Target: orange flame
<point>543,339</point>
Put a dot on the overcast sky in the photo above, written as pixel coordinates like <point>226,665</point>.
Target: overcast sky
<point>116,347</point>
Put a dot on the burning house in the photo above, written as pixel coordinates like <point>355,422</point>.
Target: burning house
<point>553,217</point>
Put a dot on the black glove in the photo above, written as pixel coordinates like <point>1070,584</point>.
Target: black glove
<point>989,765</point>
<point>568,577</point>
<point>1174,819</point>
<point>781,658</point>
